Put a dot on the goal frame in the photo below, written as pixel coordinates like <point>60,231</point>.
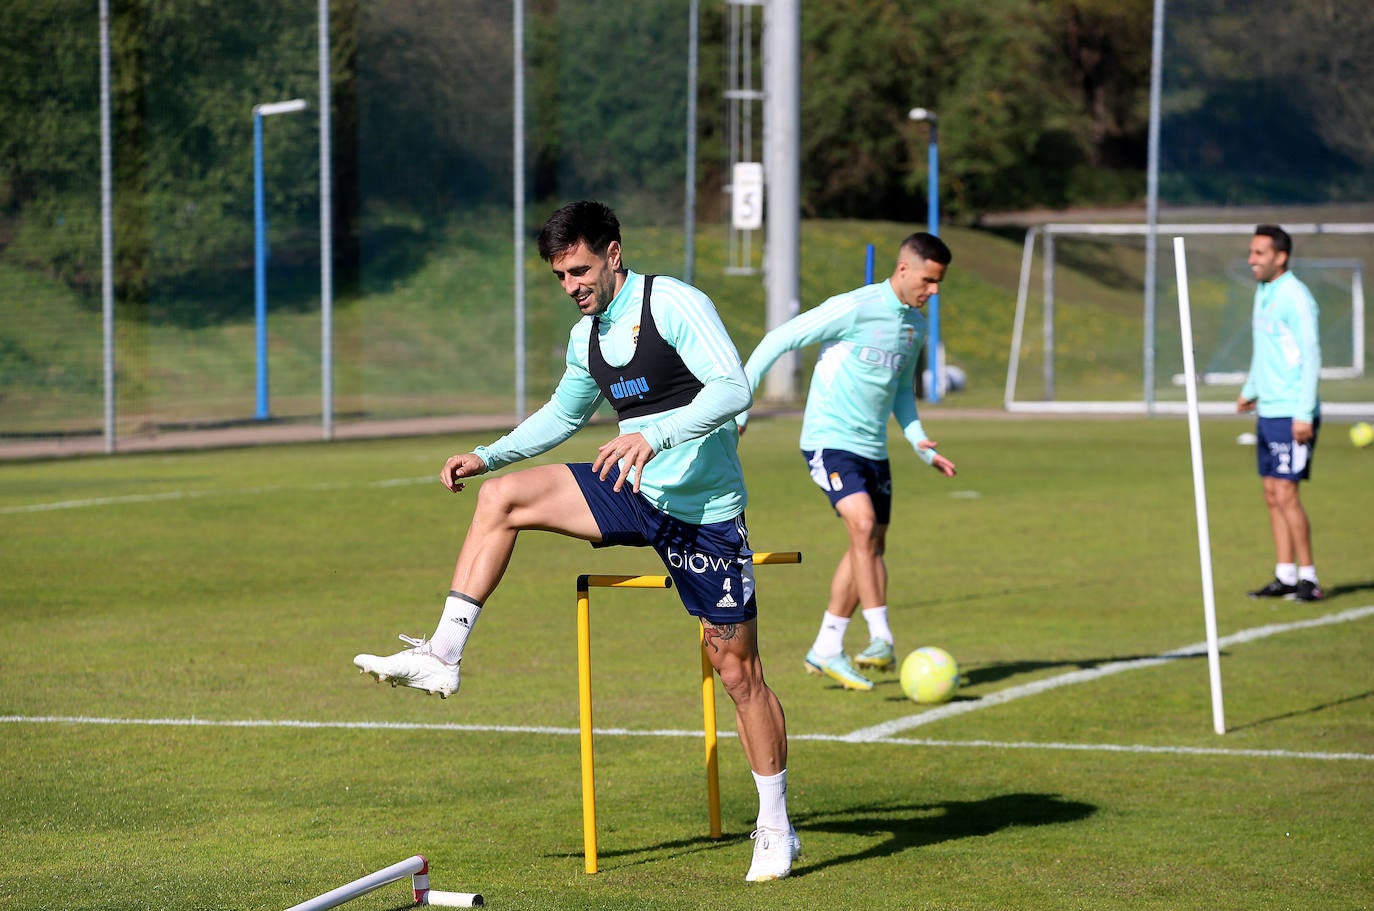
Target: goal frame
<point>1046,235</point>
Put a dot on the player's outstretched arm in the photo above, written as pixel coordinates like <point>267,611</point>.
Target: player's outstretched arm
<point>938,462</point>
<point>466,465</point>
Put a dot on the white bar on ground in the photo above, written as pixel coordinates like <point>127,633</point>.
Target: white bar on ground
<point>1204,543</point>
<point>454,899</point>
<point>408,867</point>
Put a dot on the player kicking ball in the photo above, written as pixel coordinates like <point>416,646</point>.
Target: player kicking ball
<point>870,340</point>
<point>655,348</point>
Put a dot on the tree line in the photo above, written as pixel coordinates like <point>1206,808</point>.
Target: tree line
<point>1041,103</point>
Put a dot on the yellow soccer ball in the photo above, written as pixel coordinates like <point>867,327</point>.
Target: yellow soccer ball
<point>930,675</point>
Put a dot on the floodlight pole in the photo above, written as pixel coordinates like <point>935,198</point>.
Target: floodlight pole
<point>923,115</point>
<point>1152,201</point>
<point>260,243</point>
<point>782,181</point>
<point>107,229</point>
<point>326,127</point>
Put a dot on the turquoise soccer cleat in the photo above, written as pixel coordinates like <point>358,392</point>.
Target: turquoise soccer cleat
<point>839,669</point>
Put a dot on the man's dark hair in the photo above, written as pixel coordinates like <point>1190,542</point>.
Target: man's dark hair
<point>586,222</point>
<point>1282,242</point>
<point>928,247</point>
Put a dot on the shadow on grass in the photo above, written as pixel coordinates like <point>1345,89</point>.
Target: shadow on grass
<point>991,593</point>
<point>992,673</point>
<point>680,847</point>
<point>909,826</point>
<point>1300,712</point>
<point>906,826</point>
<point>1349,588</point>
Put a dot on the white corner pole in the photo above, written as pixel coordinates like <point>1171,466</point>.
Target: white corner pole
<point>1204,544</point>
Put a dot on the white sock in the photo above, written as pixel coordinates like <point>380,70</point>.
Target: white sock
<point>1287,573</point>
<point>772,802</point>
<point>460,616</point>
<point>1309,573</point>
<point>877,624</point>
<point>830,640</point>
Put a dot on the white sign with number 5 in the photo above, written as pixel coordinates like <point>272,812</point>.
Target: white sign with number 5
<point>746,199</point>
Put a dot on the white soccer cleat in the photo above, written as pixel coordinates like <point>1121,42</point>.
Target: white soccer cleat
<point>416,666</point>
<point>773,855</point>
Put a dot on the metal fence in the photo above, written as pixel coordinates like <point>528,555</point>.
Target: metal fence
<point>221,313</point>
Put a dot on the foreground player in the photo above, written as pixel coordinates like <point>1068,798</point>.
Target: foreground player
<point>872,336</point>
<point>655,348</point>
<point>1282,388</point>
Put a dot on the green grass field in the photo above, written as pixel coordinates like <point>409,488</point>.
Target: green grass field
<point>182,726</point>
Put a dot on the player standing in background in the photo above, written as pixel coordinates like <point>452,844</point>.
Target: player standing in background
<point>654,347</point>
<point>1282,389</point>
<point>872,337</point>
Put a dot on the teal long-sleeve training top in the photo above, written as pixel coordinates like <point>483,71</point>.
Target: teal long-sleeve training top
<point>865,371</point>
<point>1287,360</point>
<point>695,474</point>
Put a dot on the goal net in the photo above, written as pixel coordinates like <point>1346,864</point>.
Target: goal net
<point>1089,337</point>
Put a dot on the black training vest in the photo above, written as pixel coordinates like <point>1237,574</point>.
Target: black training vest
<point>655,379</point>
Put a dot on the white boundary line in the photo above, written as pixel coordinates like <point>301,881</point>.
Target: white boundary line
<point>625,732</point>
<point>878,734</point>
<point>198,495</point>
<point>1132,748</point>
<point>951,709</point>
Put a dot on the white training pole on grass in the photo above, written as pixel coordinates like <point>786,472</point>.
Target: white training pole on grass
<point>453,899</point>
<point>1185,322</point>
<point>411,866</point>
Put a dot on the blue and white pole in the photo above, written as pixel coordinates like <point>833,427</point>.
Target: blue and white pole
<point>260,246</point>
<point>936,350</point>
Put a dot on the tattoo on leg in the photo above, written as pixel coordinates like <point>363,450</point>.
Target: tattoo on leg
<point>711,632</point>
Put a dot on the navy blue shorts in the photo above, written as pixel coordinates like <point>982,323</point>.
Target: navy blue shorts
<point>841,473</point>
<point>711,565</point>
<point>1278,455</point>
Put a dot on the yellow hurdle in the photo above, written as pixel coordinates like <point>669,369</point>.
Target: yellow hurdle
<point>585,583</point>
<point>584,693</point>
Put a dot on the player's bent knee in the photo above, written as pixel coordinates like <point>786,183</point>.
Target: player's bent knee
<point>742,681</point>
<point>494,496</point>
<point>862,526</point>
<point>506,500</point>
